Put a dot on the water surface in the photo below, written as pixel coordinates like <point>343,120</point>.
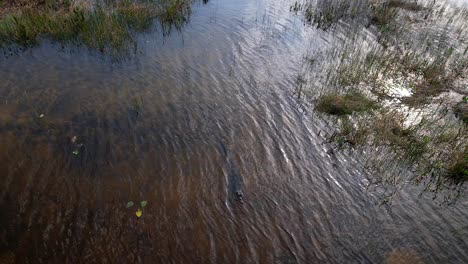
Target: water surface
<point>204,125</point>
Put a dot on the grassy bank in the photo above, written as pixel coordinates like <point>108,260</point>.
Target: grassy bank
<point>106,25</point>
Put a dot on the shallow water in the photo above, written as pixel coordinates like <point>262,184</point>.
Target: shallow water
<point>204,125</point>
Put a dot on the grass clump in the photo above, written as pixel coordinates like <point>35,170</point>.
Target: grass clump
<point>323,19</point>
<point>406,5</point>
<point>175,11</point>
<point>461,110</point>
<point>335,104</point>
<point>136,17</point>
<point>458,171</point>
<point>382,15</point>
<point>384,128</point>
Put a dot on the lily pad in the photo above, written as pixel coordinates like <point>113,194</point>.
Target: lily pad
<point>139,213</point>
<point>143,203</point>
<point>129,204</point>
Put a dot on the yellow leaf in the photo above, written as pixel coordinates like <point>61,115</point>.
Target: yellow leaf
<point>139,213</point>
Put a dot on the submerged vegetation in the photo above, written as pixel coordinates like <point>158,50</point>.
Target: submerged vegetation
<point>435,149</point>
<point>335,104</point>
<point>411,57</point>
<point>104,25</point>
<point>461,110</point>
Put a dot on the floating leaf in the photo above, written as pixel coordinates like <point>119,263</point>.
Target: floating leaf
<point>143,203</point>
<point>129,204</point>
<point>75,152</point>
<point>139,213</point>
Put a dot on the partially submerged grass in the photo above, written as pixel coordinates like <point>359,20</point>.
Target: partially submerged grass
<point>352,65</point>
<point>407,53</point>
<point>175,14</point>
<point>97,29</point>
<point>326,13</point>
<point>175,11</point>
<point>347,104</point>
<point>458,170</point>
<point>434,150</point>
<point>405,4</point>
<point>429,59</point>
<point>108,26</point>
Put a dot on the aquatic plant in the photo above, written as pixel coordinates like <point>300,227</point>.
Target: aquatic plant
<point>139,212</point>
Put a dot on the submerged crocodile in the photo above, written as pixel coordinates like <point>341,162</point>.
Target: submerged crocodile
<point>235,181</point>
